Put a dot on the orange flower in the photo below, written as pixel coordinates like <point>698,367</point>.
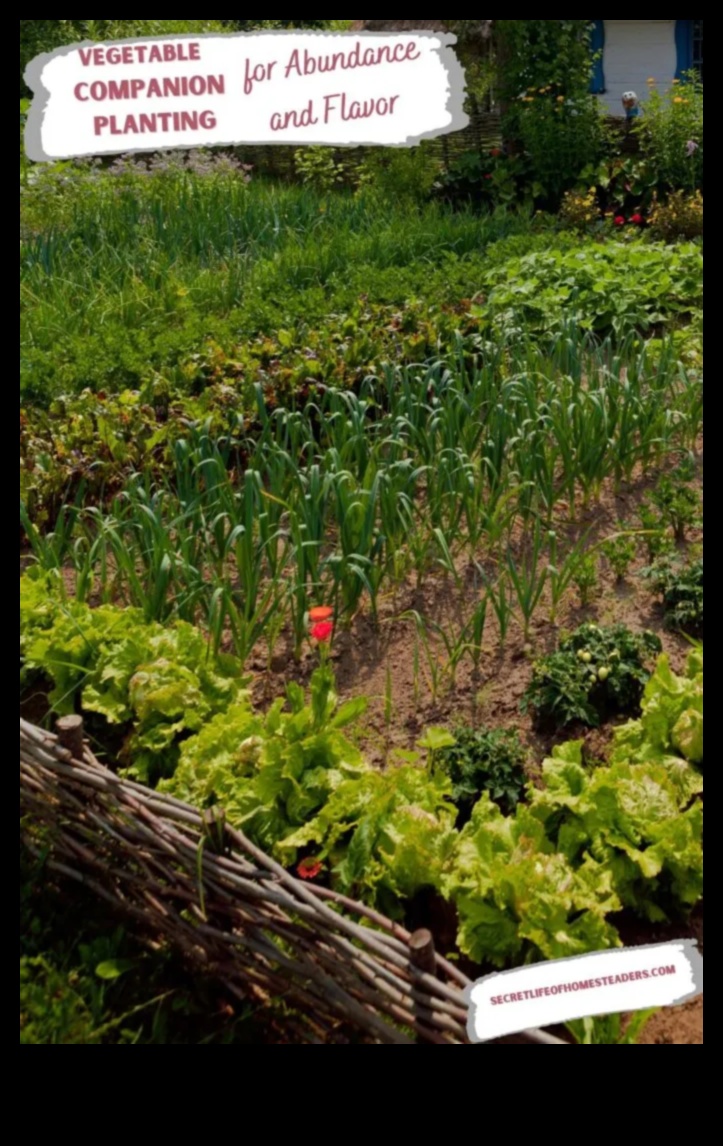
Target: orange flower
<point>321,613</point>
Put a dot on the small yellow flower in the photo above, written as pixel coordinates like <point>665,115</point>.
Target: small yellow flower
<point>679,99</point>
<point>560,99</point>
<point>651,79</point>
<point>676,81</point>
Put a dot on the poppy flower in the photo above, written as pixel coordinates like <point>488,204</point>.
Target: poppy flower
<point>320,613</point>
<point>309,868</point>
<point>637,219</point>
<point>619,220</point>
<point>322,631</point>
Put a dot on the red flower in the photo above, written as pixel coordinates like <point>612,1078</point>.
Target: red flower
<point>488,176</point>
<point>322,631</point>
<point>619,220</point>
<point>321,613</point>
<point>637,219</point>
<point>495,152</point>
<point>309,868</point>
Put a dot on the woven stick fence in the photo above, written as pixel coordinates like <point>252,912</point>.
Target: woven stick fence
<point>188,879</point>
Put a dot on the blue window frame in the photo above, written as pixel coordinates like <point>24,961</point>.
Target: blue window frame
<point>597,44</point>
<point>689,45</point>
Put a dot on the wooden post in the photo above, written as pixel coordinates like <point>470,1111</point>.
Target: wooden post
<point>70,735</point>
<point>421,951</point>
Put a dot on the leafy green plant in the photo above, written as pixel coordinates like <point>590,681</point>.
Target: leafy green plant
<point>634,818</point>
<point>585,578</point>
<point>611,1028</point>
<point>548,290</point>
<point>657,540</point>
<point>595,672</point>
<point>671,722</point>
<point>518,898</point>
<point>159,682</point>
<point>484,760</point>
<point>679,584</point>
<point>620,552</point>
<point>272,773</point>
<point>385,836</point>
<point>678,504</point>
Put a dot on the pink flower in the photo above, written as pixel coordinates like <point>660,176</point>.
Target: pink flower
<point>691,147</point>
<point>619,220</point>
<point>637,219</point>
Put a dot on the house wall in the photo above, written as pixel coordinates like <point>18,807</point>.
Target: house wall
<point>634,51</point>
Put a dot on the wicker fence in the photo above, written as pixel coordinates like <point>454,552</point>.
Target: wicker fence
<point>187,879</point>
<point>482,133</point>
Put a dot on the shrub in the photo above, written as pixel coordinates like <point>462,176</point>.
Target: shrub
<point>680,586</point>
<point>484,760</point>
<point>545,70</point>
<point>580,211</point>
<point>410,174</point>
<point>594,673</point>
<point>318,168</point>
<point>679,217</point>
<point>671,134</point>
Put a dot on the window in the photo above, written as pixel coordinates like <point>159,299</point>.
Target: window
<point>698,46</point>
<point>689,45</point>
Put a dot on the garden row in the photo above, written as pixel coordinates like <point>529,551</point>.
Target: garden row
<point>541,880</point>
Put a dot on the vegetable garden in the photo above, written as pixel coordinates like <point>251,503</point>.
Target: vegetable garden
<point>380,530</point>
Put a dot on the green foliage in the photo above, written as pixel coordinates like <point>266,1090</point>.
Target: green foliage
<point>408,175</point>
<point>539,54</point>
<point>680,586</point>
<point>385,836</point>
<point>585,578</point>
<point>671,723</point>
<point>484,760</point>
<point>272,774</point>
<point>317,168</point>
<point>634,819</point>
<point>190,257</point>
<point>161,682</point>
<point>545,68</point>
<point>594,673</point>
<point>679,217</point>
<point>610,1028</point>
<point>672,120</point>
<point>517,897</point>
<point>620,553</point>
<point>679,505</point>
<point>616,287</point>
